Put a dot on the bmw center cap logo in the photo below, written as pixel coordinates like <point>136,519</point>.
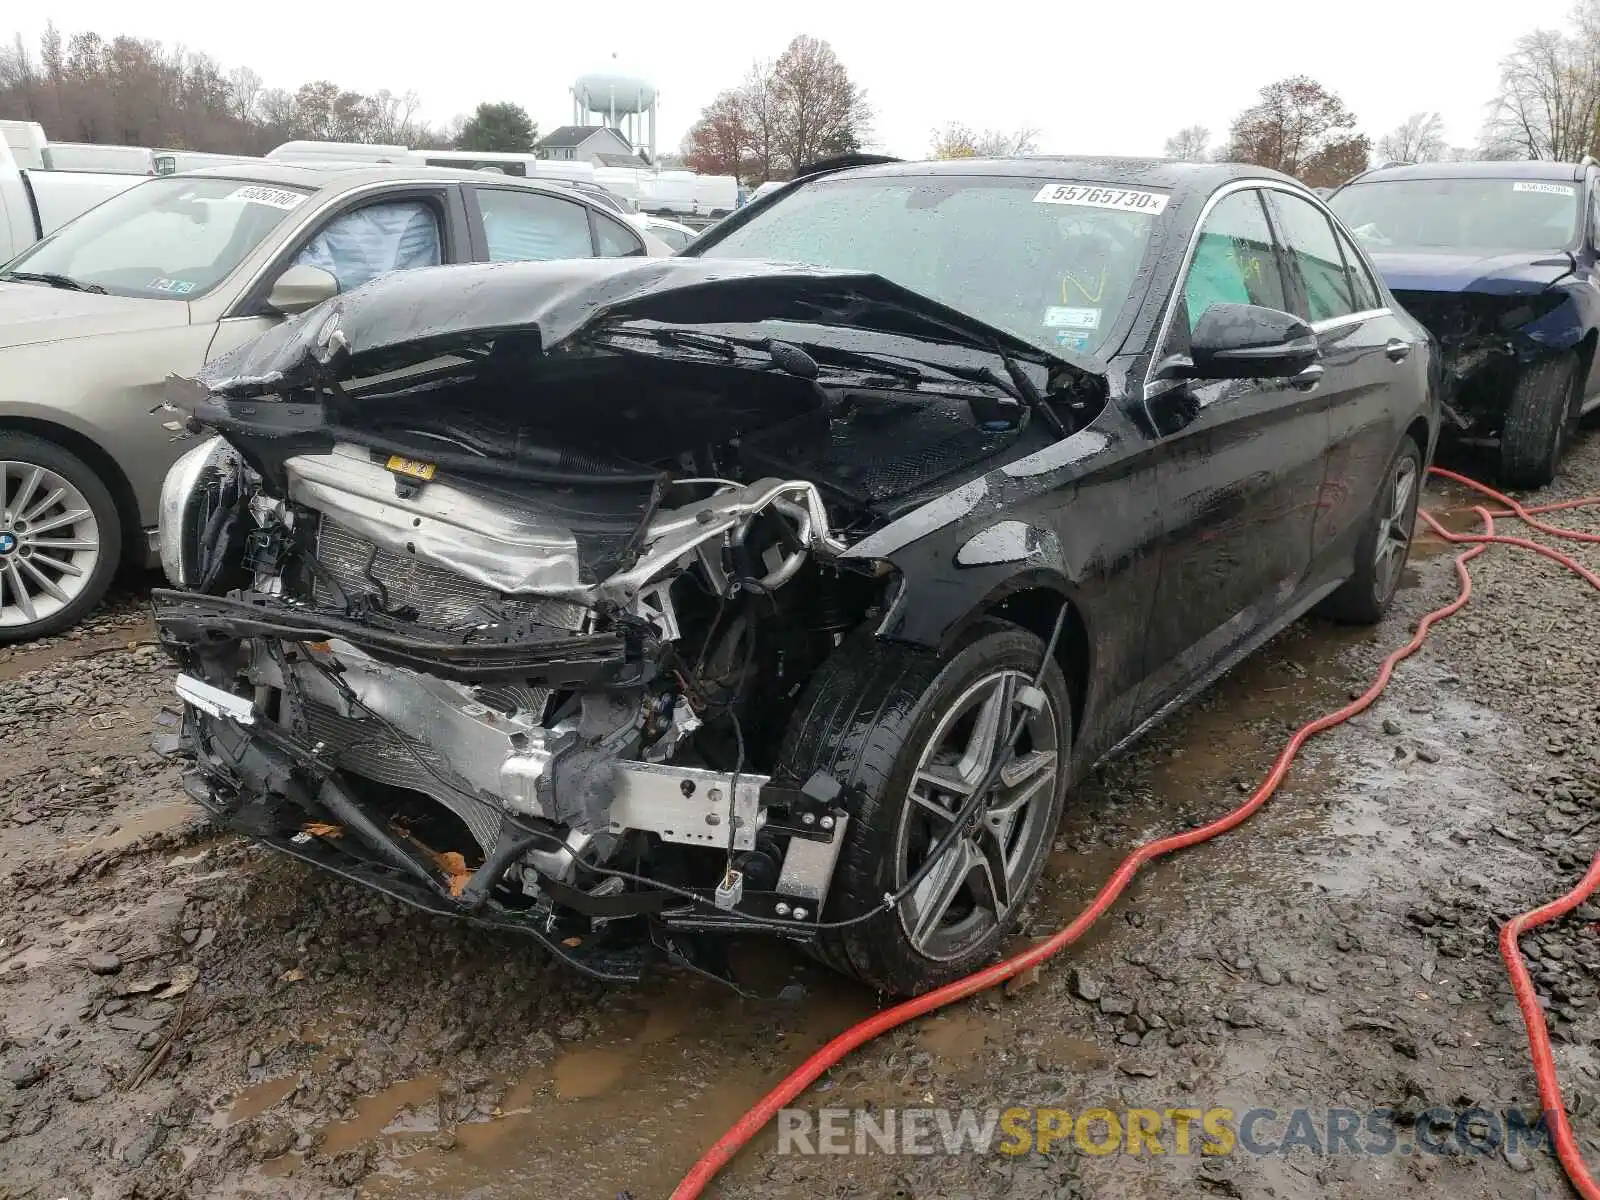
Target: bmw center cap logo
<point>8,542</point>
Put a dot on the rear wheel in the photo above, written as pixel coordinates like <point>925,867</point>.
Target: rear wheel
<point>60,538</point>
<point>1384,546</point>
<point>1541,419</point>
<point>914,734</point>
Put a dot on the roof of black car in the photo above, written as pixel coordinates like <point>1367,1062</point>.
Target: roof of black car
<point>1127,172</point>
<point>1474,170</point>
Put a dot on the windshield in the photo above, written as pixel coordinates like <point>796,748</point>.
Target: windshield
<point>175,237</point>
<point>1461,214</point>
<point>1052,262</point>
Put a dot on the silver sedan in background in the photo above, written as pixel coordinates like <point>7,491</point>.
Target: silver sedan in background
<point>176,272</point>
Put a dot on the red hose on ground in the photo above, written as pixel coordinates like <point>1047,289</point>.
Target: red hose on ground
<point>790,1088</point>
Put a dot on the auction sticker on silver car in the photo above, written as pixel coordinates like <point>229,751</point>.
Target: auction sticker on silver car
<point>272,197</point>
<point>1085,195</point>
<point>1545,189</point>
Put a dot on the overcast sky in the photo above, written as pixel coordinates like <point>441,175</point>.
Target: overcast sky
<point>1091,76</point>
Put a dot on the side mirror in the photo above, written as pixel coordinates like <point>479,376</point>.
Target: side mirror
<point>1245,341</point>
<point>301,287</point>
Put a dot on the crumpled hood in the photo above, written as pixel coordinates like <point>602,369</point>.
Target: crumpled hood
<point>409,317</point>
<point>1457,271</point>
<point>31,313</point>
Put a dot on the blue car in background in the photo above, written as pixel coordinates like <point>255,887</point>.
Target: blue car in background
<point>1498,260</point>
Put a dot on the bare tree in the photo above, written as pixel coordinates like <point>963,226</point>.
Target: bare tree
<point>760,114</point>
<point>139,92</point>
<point>17,74</point>
<point>244,93</point>
<point>1417,139</point>
<point>276,112</point>
<point>821,111</point>
<point>785,115</point>
<point>720,142</point>
<point>1192,143</point>
<point>956,140</point>
<point>395,119</point>
<point>1300,128</point>
<point>1548,105</point>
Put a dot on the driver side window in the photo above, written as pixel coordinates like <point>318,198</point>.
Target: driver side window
<point>1234,261</point>
<point>391,235</point>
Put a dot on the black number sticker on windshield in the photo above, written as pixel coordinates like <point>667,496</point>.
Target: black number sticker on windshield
<point>1085,195</point>
<point>1544,189</point>
<point>270,196</point>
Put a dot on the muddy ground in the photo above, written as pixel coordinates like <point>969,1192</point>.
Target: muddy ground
<point>186,1015</point>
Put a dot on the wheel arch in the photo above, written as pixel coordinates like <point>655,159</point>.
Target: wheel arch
<point>1035,607</point>
<point>1421,432</point>
<point>1586,349</point>
<point>101,462</point>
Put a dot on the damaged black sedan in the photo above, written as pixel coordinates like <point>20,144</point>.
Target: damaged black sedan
<point>784,587</point>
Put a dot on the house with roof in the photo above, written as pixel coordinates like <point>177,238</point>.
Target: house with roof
<point>586,143</point>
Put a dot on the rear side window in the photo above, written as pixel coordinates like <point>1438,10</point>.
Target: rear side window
<point>533,227</point>
<point>1309,238</point>
<point>676,238</point>
<point>1362,285</point>
<point>1234,261</point>
<point>614,239</point>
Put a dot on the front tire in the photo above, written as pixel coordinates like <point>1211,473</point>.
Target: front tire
<point>60,538</point>
<point>1541,420</point>
<point>912,733</point>
<point>1384,547</point>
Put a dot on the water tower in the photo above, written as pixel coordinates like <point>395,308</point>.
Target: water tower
<point>624,100</point>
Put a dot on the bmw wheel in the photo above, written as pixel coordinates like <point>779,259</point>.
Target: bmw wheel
<point>913,734</point>
<point>60,539</point>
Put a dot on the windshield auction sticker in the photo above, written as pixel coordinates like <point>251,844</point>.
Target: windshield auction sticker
<point>1544,189</point>
<point>1071,318</point>
<point>270,196</point>
<point>1085,195</point>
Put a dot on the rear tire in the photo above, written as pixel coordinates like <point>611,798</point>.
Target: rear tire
<point>883,718</point>
<point>1384,547</point>
<point>1540,421</point>
<point>60,538</point>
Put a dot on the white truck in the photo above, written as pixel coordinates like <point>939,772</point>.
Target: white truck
<point>34,204</point>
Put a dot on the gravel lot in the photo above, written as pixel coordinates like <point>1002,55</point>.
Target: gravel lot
<point>186,1015</point>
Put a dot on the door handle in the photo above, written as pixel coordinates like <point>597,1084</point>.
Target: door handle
<point>1397,350</point>
<point>1309,378</point>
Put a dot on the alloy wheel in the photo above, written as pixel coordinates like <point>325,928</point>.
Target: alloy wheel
<point>1394,527</point>
<point>984,873</point>
<point>49,543</point>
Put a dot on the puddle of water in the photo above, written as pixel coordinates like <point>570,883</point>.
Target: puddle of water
<point>671,1077</point>
<point>582,1074</point>
<point>158,818</point>
<point>958,1035</point>
<point>259,1097</point>
<point>377,1113</point>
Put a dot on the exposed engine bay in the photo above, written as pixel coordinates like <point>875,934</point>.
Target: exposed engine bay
<point>512,625</point>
